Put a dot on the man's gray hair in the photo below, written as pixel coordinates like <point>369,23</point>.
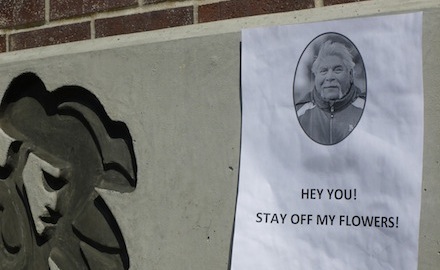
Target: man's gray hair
<point>334,48</point>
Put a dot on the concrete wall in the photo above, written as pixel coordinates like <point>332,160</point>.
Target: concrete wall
<point>178,91</point>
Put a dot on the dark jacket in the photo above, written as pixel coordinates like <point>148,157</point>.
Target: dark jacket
<point>329,122</point>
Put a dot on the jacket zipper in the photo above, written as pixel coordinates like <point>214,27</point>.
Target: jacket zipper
<point>332,109</point>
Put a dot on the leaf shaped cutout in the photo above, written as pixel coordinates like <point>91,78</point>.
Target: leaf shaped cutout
<point>92,227</point>
<point>114,180</point>
<point>99,260</point>
<point>12,236</point>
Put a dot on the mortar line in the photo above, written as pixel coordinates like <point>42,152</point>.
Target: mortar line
<point>195,13</point>
<point>319,3</point>
<point>92,28</point>
<point>7,42</point>
<point>47,10</point>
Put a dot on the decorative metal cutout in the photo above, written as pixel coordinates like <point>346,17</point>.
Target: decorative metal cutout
<point>57,150</point>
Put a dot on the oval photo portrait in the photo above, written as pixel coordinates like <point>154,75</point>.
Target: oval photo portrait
<point>329,88</point>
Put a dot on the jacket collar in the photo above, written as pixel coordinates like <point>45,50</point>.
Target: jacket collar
<point>335,105</point>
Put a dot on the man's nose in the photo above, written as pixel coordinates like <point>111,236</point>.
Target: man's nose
<point>330,75</point>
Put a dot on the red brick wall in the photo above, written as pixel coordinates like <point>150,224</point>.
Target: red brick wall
<point>36,23</point>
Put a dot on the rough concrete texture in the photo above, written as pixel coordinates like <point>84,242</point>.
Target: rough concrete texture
<point>429,237</point>
<point>182,107</point>
<point>180,100</point>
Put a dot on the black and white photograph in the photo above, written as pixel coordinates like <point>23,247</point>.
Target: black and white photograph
<point>329,88</point>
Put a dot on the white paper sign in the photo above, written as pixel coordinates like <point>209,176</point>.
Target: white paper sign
<point>332,138</point>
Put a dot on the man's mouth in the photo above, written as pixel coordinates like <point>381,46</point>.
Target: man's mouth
<point>331,87</point>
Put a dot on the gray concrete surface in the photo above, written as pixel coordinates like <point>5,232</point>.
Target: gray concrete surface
<point>429,236</point>
<point>178,91</point>
<point>181,103</point>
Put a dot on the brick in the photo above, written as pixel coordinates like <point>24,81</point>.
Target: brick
<point>15,14</point>
<point>3,43</point>
<point>243,8</point>
<point>153,1</point>
<point>60,9</point>
<point>337,2</point>
<point>50,36</point>
<point>144,22</point>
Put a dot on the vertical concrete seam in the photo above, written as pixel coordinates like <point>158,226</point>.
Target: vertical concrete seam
<point>47,11</point>
<point>319,3</point>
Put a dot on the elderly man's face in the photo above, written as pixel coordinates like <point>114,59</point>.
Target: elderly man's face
<point>332,78</point>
